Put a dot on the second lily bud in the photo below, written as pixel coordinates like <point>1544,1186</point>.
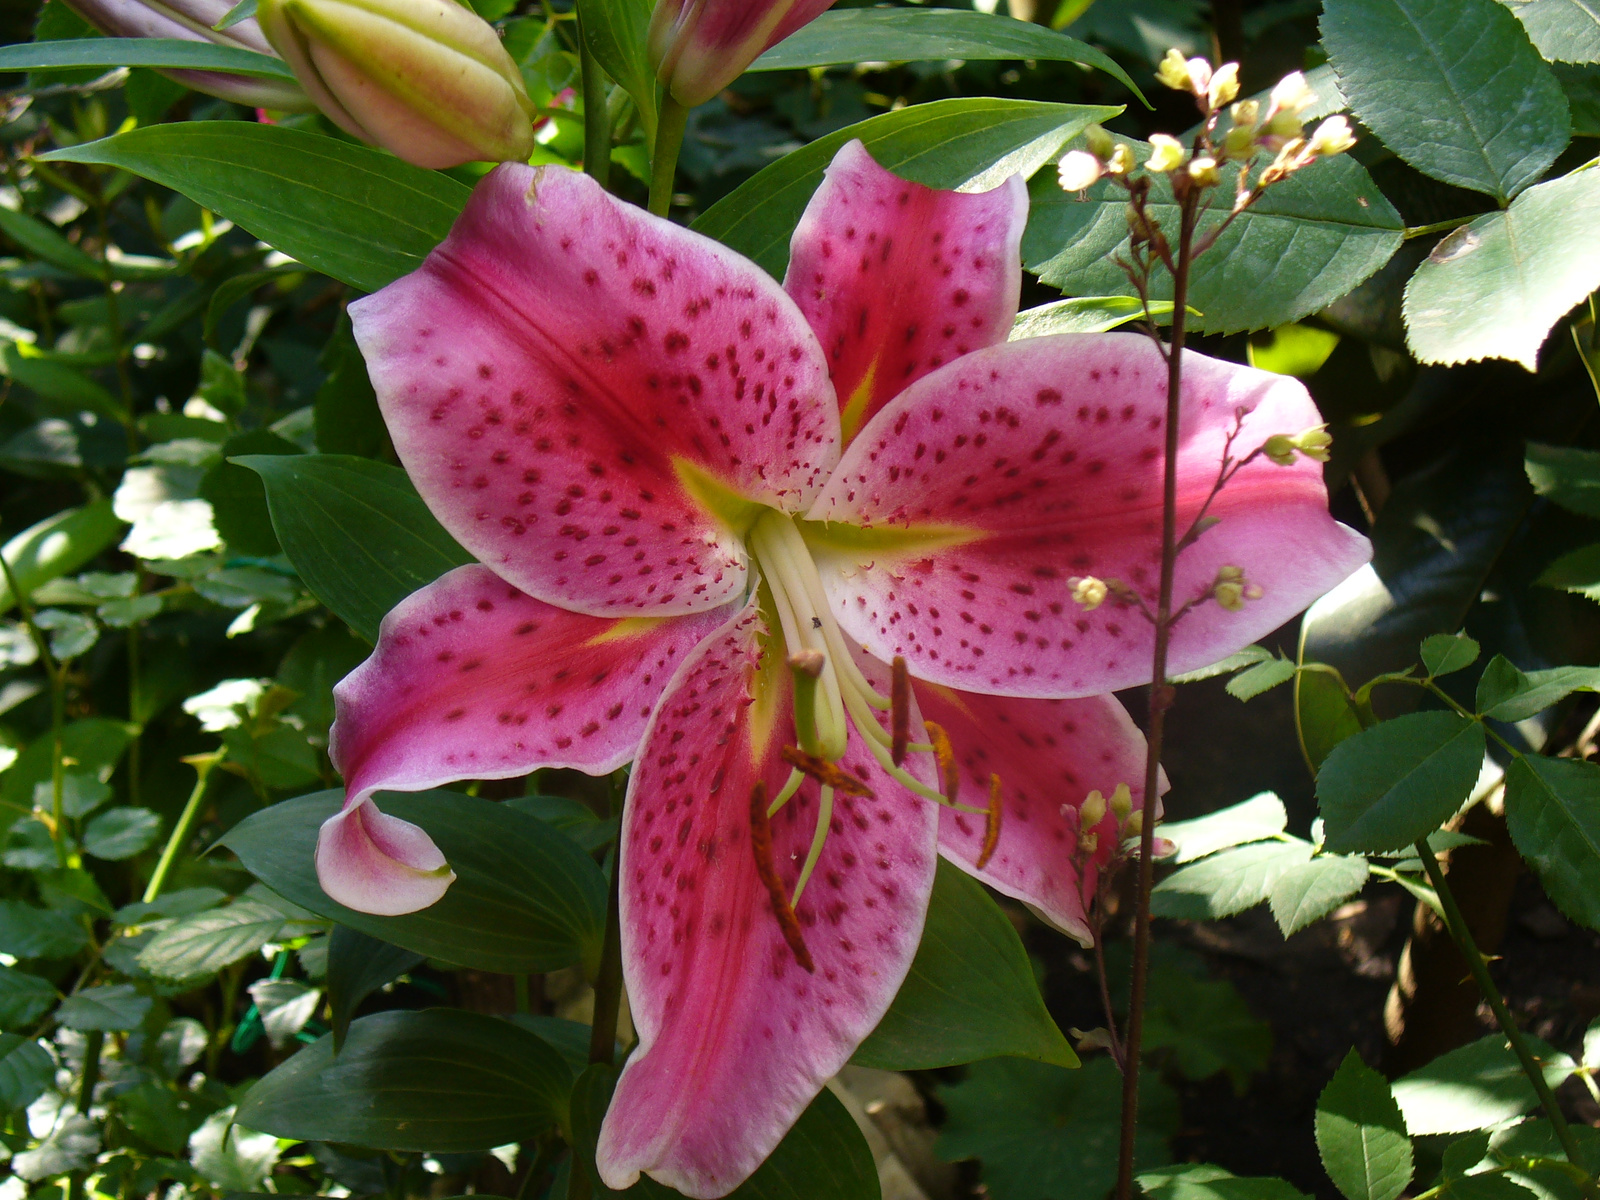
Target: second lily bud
<point>699,47</point>
<point>425,79</point>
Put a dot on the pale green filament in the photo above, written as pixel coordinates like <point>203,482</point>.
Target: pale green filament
<point>824,820</point>
<point>796,778</point>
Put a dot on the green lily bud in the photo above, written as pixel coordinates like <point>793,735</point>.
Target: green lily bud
<point>426,79</point>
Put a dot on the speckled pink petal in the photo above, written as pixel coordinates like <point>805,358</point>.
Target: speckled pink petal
<point>473,679</point>
<point>1045,456</point>
<point>1049,754</point>
<point>898,279</point>
<point>375,863</point>
<point>559,357</point>
<point>736,1038</point>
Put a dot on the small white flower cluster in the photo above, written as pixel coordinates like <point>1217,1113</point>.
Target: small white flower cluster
<point>1279,130</point>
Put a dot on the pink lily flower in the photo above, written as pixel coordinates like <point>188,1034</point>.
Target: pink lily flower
<point>699,47</point>
<point>708,511</point>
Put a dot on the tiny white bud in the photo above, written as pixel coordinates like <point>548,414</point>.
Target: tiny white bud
<point>1333,136</point>
<point>1166,153</point>
<point>1203,171</point>
<point>1078,170</point>
<point>1199,76</point>
<point>1174,71</point>
<point>1292,93</point>
<point>1224,87</point>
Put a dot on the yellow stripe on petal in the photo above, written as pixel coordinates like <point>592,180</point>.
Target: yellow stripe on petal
<point>889,541</point>
<point>854,411</point>
<point>628,627</point>
<point>734,511</point>
<point>766,687</point>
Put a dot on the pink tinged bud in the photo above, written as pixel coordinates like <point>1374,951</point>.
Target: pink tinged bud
<point>1079,169</point>
<point>425,79</point>
<point>699,47</point>
<point>192,21</point>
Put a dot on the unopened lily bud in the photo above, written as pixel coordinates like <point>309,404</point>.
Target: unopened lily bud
<point>1229,594</point>
<point>1333,136</point>
<point>192,21</point>
<point>1099,142</point>
<point>1174,72</point>
<point>1203,172</point>
<point>1089,592</point>
<point>1078,170</point>
<point>1092,811</point>
<point>699,47</point>
<point>1122,803</point>
<point>1121,160</point>
<point>1224,86</point>
<point>1166,153</point>
<point>1292,94</point>
<point>425,79</point>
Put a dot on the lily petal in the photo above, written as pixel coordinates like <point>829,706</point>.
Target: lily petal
<point>375,863</point>
<point>1049,755</point>
<point>898,279</point>
<point>735,1037</point>
<point>989,485</point>
<point>473,679</point>
<point>589,398</point>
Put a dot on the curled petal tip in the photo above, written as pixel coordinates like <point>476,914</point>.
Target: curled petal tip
<point>375,863</point>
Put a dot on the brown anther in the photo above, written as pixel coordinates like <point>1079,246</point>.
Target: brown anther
<point>900,710</point>
<point>808,662</point>
<point>761,843</point>
<point>991,826</point>
<point>826,772</point>
<point>945,755</point>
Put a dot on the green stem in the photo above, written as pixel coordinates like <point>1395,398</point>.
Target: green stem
<point>1161,696</point>
<point>181,832</point>
<point>664,163</point>
<point>596,115</point>
<point>1478,965</point>
<point>93,1042</point>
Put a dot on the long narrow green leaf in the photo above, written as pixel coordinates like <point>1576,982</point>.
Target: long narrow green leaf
<point>161,53</point>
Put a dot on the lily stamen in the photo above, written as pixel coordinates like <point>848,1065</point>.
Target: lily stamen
<point>945,755</point>
<point>790,787</point>
<point>761,845</point>
<point>991,829</point>
<point>900,698</point>
<point>826,773</point>
<point>806,666</point>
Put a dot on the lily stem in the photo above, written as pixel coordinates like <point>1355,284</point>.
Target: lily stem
<point>664,162</point>
<point>1161,695</point>
<point>1478,965</point>
<point>181,832</point>
<point>596,115</point>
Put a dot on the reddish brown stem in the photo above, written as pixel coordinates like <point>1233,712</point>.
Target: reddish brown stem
<point>1160,700</point>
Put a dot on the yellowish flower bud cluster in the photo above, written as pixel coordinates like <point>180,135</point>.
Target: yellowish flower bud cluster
<point>1093,811</point>
<point>1088,592</point>
<point>1231,590</point>
<point>1080,169</point>
<point>1212,89</point>
<point>1283,448</point>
